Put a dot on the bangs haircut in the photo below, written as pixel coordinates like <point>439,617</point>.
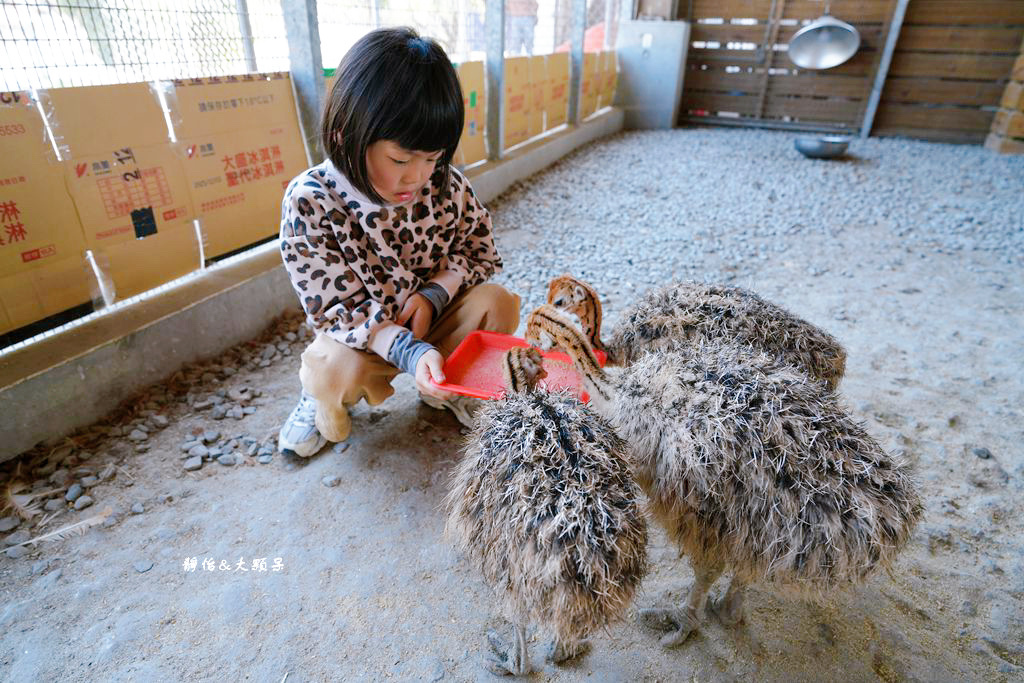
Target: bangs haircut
<point>392,85</point>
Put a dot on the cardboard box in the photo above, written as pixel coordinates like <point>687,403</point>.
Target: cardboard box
<point>609,78</point>
<point>41,243</point>
<point>1004,145</point>
<point>126,181</point>
<point>1009,123</point>
<point>556,107</point>
<point>591,84</point>
<point>517,79</point>
<point>1013,96</point>
<point>538,80</point>
<point>240,145</point>
<point>472,144</point>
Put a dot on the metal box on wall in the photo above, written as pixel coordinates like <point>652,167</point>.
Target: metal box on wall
<point>652,61</point>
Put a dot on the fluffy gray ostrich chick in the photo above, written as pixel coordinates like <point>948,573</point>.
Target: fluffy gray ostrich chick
<point>693,311</point>
<point>751,467</point>
<point>544,506</point>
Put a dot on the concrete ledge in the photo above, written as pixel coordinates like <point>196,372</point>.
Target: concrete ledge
<point>72,379</point>
<point>491,179</point>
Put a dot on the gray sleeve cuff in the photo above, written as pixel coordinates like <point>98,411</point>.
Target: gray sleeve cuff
<point>436,295</point>
<point>406,351</point>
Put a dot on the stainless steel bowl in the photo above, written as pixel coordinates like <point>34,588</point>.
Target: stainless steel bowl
<point>824,43</point>
<point>822,147</point>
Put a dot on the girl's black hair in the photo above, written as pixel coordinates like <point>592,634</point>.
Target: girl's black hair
<point>392,85</point>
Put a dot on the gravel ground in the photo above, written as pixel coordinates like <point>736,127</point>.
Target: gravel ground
<point>909,252</point>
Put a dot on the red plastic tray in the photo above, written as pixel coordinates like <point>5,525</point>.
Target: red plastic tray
<point>474,368</point>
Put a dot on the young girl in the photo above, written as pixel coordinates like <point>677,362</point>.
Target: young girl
<point>385,243</point>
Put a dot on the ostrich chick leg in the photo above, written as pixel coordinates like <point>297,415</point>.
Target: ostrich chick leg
<point>729,608</point>
<point>682,622</point>
<point>505,661</point>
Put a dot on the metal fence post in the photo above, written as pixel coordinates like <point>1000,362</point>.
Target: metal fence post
<point>883,67</point>
<point>245,28</point>
<point>307,68</point>
<point>494,21</point>
<point>577,33</point>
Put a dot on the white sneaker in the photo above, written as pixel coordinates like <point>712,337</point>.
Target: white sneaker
<point>299,435</point>
<point>463,407</point>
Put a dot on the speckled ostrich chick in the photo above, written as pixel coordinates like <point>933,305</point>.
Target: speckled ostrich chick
<point>692,311</point>
<point>751,467</point>
<point>544,506</point>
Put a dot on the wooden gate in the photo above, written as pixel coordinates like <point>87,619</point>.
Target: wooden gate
<point>738,71</point>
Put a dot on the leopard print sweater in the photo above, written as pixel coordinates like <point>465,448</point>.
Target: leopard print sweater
<point>353,263</point>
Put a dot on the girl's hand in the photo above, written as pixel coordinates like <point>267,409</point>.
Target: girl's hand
<point>416,315</point>
<point>429,367</point>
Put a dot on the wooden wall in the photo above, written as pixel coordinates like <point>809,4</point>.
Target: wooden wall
<point>722,82</point>
<point>951,65</point>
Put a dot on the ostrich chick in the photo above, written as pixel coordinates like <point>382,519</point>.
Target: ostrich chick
<point>691,311</point>
<point>751,467</point>
<point>544,507</point>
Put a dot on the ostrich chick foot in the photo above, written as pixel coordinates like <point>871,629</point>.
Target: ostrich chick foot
<point>505,660</point>
<point>559,652</point>
<point>681,623</point>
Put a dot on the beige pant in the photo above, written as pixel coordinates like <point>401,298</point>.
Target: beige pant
<point>338,376</point>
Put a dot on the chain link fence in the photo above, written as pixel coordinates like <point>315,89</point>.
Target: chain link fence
<point>101,42</point>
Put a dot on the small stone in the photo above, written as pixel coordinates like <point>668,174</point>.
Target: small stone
<point>8,523</point>
<point>236,413</point>
<point>341,447</point>
<point>53,505</point>
<point>16,552</point>
<point>249,410</point>
<point>377,415</point>
<point>331,480</point>
<point>239,394</point>
<point>982,452</point>
<point>219,412</point>
<point>252,448</point>
<point>83,502</point>
<point>265,459</point>
<point>160,421</point>
<point>142,566</point>
<point>214,453</point>
<point>229,372</point>
<point>89,482</point>
<point>17,537</point>
<point>202,405</point>
<point>200,451</point>
<point>73,493</point>
<point>189,445</point>
<point>211,435</point>
<point>107,472</point>
<point>968,609</point>
<point>228,459</point>
<point>138,435</point>
<point>141,448</point>
<point>60,477</point>
<point>193,463</point>
<point>138,509</point>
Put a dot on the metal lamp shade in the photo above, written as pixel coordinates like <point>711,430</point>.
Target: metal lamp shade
<point>823,44</point>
